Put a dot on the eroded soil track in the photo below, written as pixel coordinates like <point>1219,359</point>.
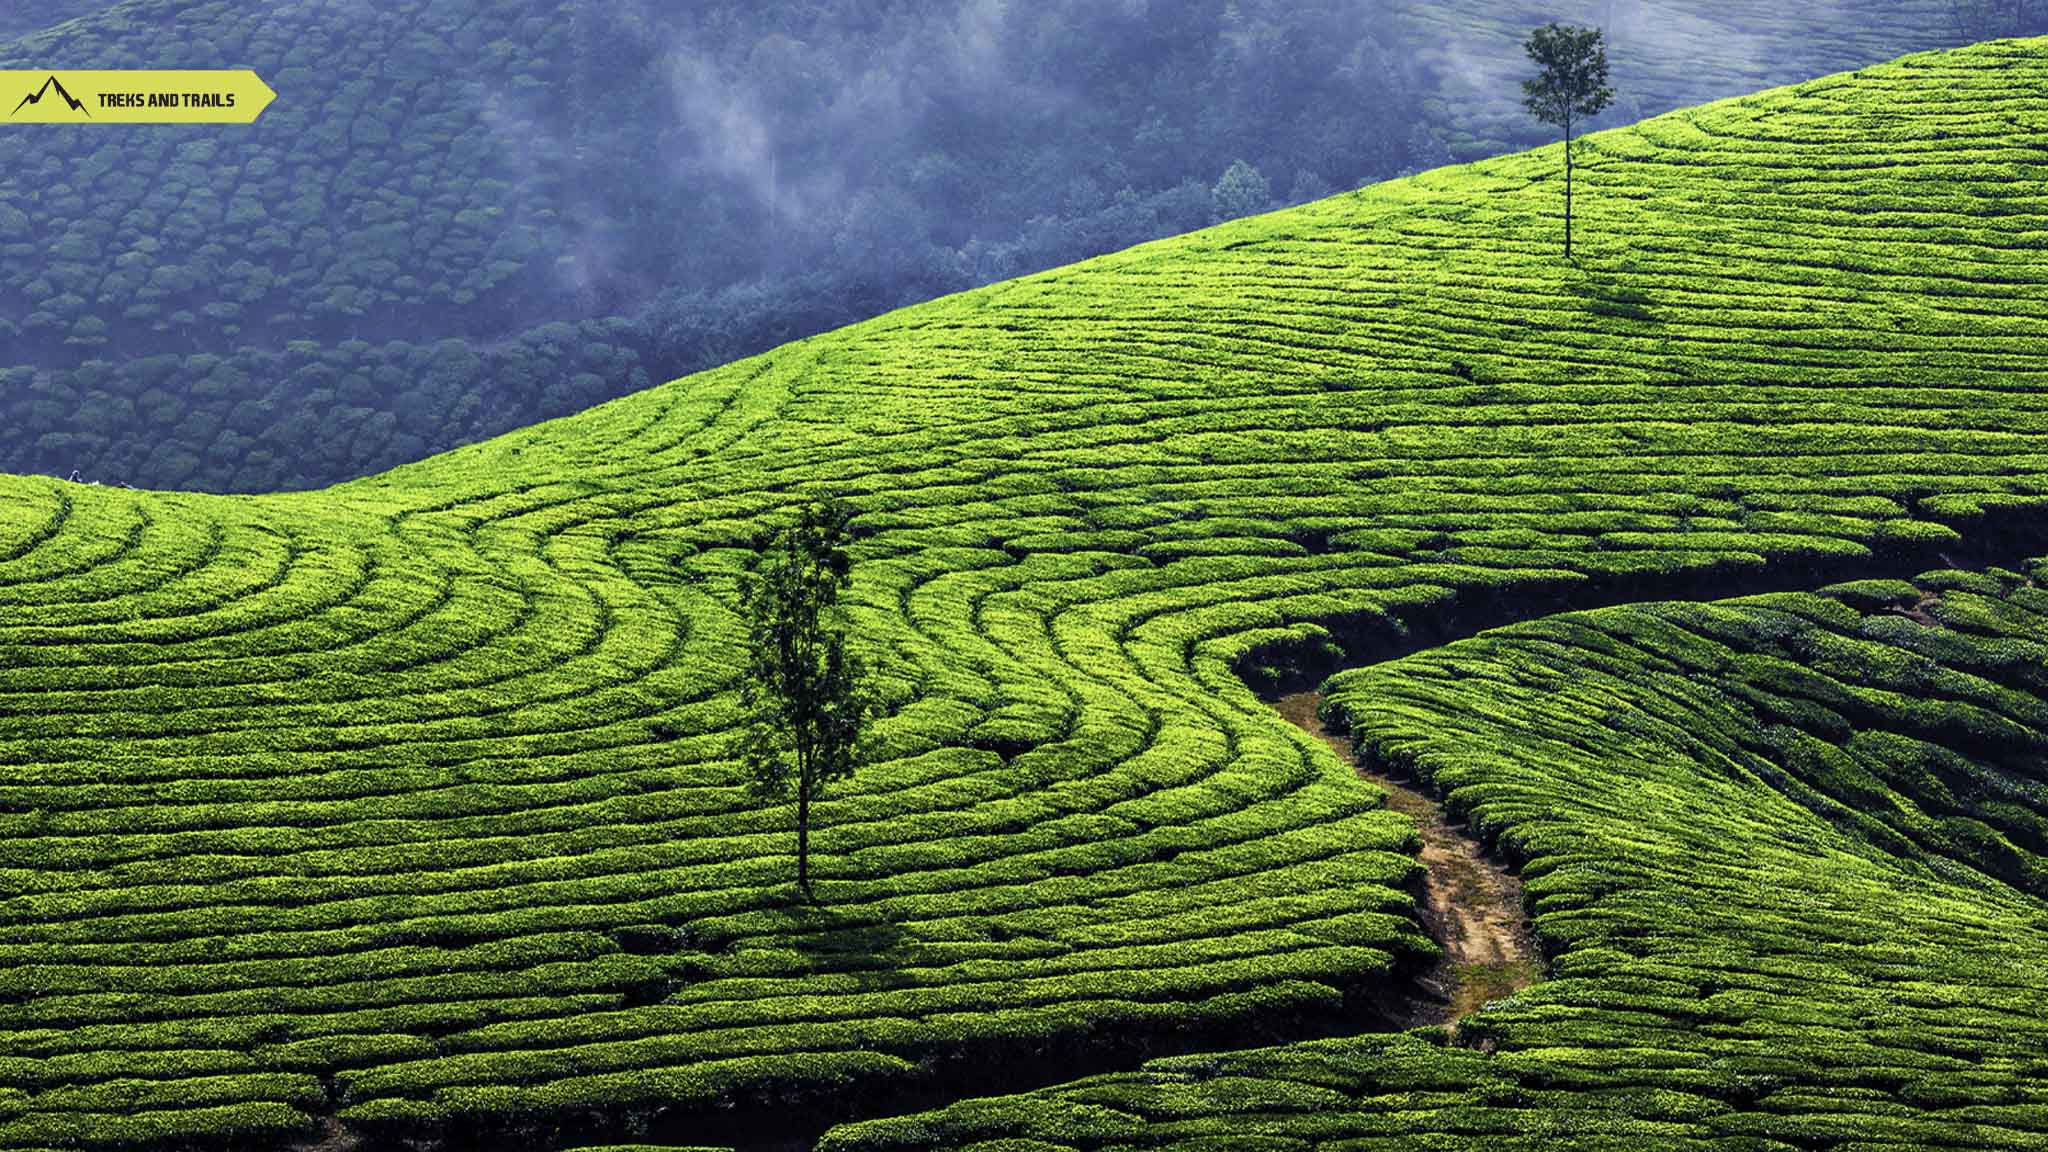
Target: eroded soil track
<point>1470,904</point>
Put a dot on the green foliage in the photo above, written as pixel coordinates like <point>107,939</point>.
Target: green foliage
<point>805,695</point>
<point>469,171</point>
<point>415,797</point>
<point>473,170</point>
<point>1242,191</point>
<point>1788,861</point>
<point>1570,86</point>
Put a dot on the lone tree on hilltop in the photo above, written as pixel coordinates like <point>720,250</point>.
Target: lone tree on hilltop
<point>1572,85</point>
<point>806,696</point>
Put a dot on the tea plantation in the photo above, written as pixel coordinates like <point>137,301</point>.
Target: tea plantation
<point>411,802</point>
<point>464,216</point>
<point>1790,856</point>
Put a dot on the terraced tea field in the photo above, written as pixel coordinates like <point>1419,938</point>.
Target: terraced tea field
<point>1790,853</point>
<point>411,803</point>
<point>1470,903</point>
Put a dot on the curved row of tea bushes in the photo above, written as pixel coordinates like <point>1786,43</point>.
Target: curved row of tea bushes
<point>412,801</point>
<point>1788,854</point>
<point>385,265</point>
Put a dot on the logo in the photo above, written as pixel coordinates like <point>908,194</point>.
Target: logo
<point>36,97</point>
<point>133,96</point>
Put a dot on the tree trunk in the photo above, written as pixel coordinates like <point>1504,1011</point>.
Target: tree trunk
<point>803,837</point>
<point>1567,189</point>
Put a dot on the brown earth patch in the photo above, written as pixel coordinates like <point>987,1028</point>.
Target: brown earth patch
<point>1469,904</point>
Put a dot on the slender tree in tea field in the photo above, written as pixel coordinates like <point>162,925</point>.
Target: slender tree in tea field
<point>1570,86</point>
<point>806,696</point>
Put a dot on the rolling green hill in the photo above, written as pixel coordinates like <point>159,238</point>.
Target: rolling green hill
<point>409,801</point>
<point>1790,854</point>
<point>463,216</point>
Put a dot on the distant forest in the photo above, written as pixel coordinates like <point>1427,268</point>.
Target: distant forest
<point>463,216</point>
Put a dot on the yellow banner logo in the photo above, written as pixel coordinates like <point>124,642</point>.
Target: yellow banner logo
<point>132,97</point>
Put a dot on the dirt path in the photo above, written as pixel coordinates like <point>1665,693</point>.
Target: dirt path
<point>332,1138</point>
<point>1470,905</point>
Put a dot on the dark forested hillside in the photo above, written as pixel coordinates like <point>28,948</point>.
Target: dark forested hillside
<point>464,215</point>
<point>21,18</point>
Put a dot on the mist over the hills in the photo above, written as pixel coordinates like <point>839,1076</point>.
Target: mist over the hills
<point>465,215</point>
<point>914,148</point>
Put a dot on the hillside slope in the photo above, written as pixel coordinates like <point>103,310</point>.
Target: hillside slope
<point>409,800</point>
<point>1790,854</point>
<point>463,216</point>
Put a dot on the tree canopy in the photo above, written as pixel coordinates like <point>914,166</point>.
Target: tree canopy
<point>805,694</point>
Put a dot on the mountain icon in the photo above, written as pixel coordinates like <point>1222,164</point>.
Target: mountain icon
<point>36,97</point>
